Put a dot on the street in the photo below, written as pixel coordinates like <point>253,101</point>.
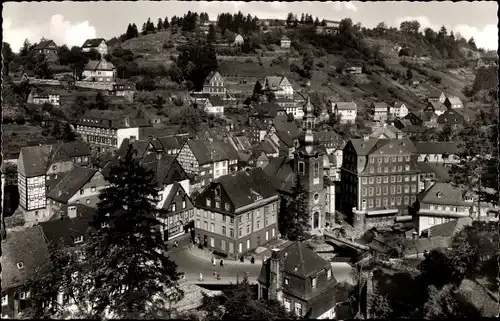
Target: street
<point>193,265</point>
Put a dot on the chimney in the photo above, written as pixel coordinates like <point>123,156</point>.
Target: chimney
<point>72,211</point>
<point>275,282</point>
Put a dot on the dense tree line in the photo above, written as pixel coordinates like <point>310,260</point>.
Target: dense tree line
<point>194,63</point>
<point>305,19</point>
<point>238,22</point>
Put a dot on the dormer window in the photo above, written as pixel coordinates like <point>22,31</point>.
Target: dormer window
<point>172,208</point>
<point>287,281</point>
<point>208,202</point>
<point>20,265</point>
<point>301,168</point>
<point>314,282</point>
<point>439,194</point>
<point>217,204</point>
<point>226,206</point>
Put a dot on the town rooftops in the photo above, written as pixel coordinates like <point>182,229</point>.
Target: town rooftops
<point>24,254</point>
<point>92,43</point>
<point>44,44</point>
<point>449,229</point>
<point>442,172</point>
<point>281,172</point>
<point>268,109</point>
<point>244,186</point>
<point>386,130</point>
<point>437,147</point>
<point>71,183</point>
<point>35,160</point>
<point>438,106</point>
<point>99,65</point>
<point>207,151</point>
<point>111,119</point>
<point>63,228</point>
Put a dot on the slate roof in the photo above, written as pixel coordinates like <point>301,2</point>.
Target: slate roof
<point>43,44</point>
<point>451,117</point>
<point>442,172</point>
<point>92,43</point>
<point>438,106</point>
<point>71,183</point>
<point>454,100</point>
<point>216,101</point>
<point>387,130</point>
<point>280,171</point>
<point>210,76</point>
<point>110,119</point>
<point>207,151</point>
<point>450,195</point>
<point>366,147</point>
<point>27,246</point>
<point>169,142</point>
<point>449,229</point>
<point>99,65</point>
<point>273,82</point>
<point>346,105</point>
<point>242,186</point>
<point>65,228</point>
<point>437,147</point>
<point>268,147</point>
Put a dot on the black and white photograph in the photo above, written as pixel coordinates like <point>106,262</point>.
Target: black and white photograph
<point>259,160</point>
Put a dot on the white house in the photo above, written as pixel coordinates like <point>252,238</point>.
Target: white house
<point>280,86</point>
<point>45,96</point>
<point>100,71</point>
<point>453,102</point>
<point>214,105</point>
<point>285,42</point>
<point>98,44</point>
<point>398,109</point>
<point>346,112</point>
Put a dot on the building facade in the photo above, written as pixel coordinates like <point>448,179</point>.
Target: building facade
<point>214,84</point>
<point>280,86</point>
<point>100,71</point>
<point>237,213</point>
<point>98,44</point>
<point>346,112</point>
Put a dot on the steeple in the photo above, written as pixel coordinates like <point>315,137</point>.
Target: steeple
<point>306,139</point>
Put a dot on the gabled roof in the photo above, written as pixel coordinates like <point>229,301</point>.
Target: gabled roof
<point>437,147</point>
<point>285,38</point>
<point>92,43</point>
<point>268,147</point>
<point>386,130</point>
<point>216,101</point>
<point>366,147</point>
<point>273,82</point>
<point>110,119</point>
<point>28,247</point>
<point>210,76</point>
<point>43,44</point>
<point>280,170</point>
<point>242,187</point>
<point>380,105</point>
<point>449,229</point>
<point>443,193</point>
<point>346,105</point>
<point>451,117</point>
<point>176,195</point>
<point>207,151</point>
<point>438,106</point>
<point>169,142</point>
<point>65,228</point>
<point>99,65</point>
<point>454,100</point>
<point>71,183</point>
<point>442,172</point>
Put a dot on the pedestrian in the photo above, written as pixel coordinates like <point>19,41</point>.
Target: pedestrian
<point>221,262</point>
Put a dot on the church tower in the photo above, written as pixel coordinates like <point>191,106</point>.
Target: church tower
<point>308,164</point>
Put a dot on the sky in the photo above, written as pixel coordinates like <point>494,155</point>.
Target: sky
<point>71,23</point>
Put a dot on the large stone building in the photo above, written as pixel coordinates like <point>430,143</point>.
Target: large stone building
<point>301,280</point>
<point>237,212</point>
<point>379,179</point>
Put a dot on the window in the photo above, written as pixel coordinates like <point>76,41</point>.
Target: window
<point>172,208</point>
<point>258,225</point>
<point>370,180</point>
<point>209,202</point>
<point>231,220</point>
<point>288,304</point>
<point>377,202</point>
<point>205,214</point>
<point>231,232</point>
<point>386,202</point>
<point>23,295</point>
<point>248,229</point>
<point>92,189</point>
<point>328,274</point>
<point>407,167</point>
<point>370,191</point>
<point>298,309</point>
<point>379,180</point>
<point>414,178</point>
<point>386,190</point>
<point>386,159</point>
<point>20,265</point>
<point>198,223</point>
<point>363,191</point>
<point>371,170</point>
<point>287,281</point>
<point>240,232</point>
<point>314,282</point>
<point>212,227</point>
<point>370,202</point>
<point>399,189</point>
<point>217,204</point>
<point>393,201</point>
<point>379,190</point>
<point>407,188</point>
<point>5,300</point>
<point>406,200</point>
<point>400,178</point>
<point>183,204</point>
<point>400,158</point>
<point>226,206</point>
<point>81,192</point>
<point>386,179</point>
<point>87,202</point>
<point>78,239</point>
<point>301,168</point>
<point>398,200</point>
<point>408,158</point>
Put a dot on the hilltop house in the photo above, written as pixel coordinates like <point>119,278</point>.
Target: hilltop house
<point>285,42</point>
<point>43,97</point>
<point>453,102</point>
<point>237,213</point>
<point>98,44</point>
<point>48,48</point>
<point>379,111</point>
<point>332,27</point>
<point>122,88</point>
<point>100,71</point>
<point>39,168</point>
<point>301,279</point>
<point>279,85</point>
<point>234,39</point>
<point>398,109</point>
<point>435,107</point>
<point>104,130</point>
<point>214,84</point>
<point>346,112</point>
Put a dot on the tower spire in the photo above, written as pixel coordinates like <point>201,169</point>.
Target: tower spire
<point>306,139</point>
